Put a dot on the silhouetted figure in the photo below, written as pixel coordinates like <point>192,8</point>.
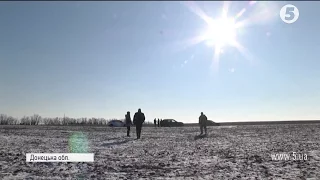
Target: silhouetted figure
<point>158,122</point>
<point>128,123</point>
<point>138,120</point>
<point>203,123</point>
<point>155,122</point>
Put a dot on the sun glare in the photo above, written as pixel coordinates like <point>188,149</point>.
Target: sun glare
<point>220,32</point>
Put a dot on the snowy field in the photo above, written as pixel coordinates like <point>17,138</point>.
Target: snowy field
<point>238,152</point>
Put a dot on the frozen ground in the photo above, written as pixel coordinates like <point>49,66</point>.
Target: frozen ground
<point>241,152</point>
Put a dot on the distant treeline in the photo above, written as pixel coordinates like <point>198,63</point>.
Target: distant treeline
<point>38,120</point>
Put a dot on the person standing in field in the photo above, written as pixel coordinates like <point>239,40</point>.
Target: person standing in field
<point>158,122</point>
<point>128,123</point>
<point>155,122</point>
<point>138,120</point>
<point>203,123</point>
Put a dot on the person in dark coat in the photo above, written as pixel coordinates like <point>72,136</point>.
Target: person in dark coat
<point>158,122</point>
<point>128,123</point>
<point>155,122</point>
<point>138,120</point>
<point>203,123</point>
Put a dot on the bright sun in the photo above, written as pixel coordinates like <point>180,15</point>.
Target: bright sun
<point>220,32</point>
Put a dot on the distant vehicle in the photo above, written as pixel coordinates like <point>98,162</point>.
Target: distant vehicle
<point>171,123</point>
<point>116,123</point>
<point>211,123</point>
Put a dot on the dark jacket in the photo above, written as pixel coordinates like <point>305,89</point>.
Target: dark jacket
<point>138,119</point>
<point>128,120</point>
<point>203,120</point>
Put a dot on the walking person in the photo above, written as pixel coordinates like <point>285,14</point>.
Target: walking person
<point>138,120</point>
<point>203,123</point>
<point>128,123</point>
<point>155,122</point>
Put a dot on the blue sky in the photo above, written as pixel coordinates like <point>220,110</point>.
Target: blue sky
<point>101,59</point>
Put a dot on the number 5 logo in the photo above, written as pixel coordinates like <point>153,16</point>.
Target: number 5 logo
<point>289,13</point>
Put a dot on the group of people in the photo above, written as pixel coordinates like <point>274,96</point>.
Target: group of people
<point>155,122</point>
<point>139,118</point>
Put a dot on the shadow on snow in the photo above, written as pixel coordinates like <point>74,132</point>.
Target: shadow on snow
<point>200,136</point>
<point>115,143</point>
